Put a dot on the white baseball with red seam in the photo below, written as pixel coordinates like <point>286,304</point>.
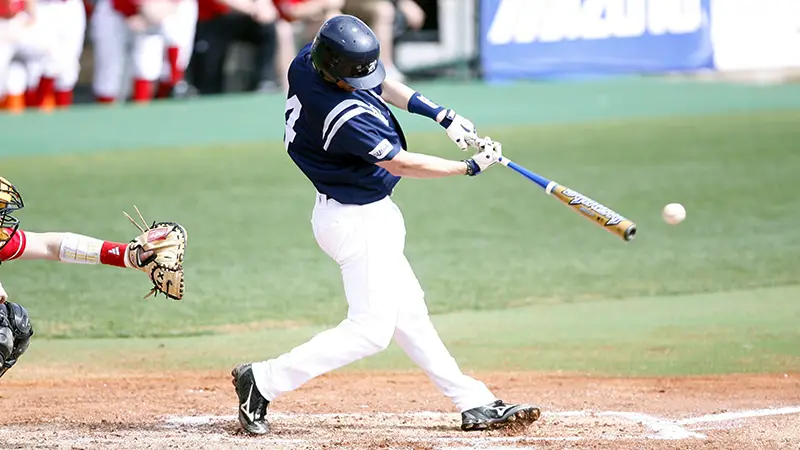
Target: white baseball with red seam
<point>674,213</point>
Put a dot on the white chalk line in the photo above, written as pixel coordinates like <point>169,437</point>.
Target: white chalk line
<point>730,416</point>
<point>663,428</point>
<point>660,428</point>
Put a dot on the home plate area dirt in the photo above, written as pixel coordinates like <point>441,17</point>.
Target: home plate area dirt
<point>366,410</point>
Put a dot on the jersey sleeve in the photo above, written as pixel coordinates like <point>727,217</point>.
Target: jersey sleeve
<point>356,128</point>
<point>14,247</point>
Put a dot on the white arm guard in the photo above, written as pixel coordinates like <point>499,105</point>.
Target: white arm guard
<point>80,249</point>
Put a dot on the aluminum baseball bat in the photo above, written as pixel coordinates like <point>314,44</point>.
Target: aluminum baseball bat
<point>590,209</point>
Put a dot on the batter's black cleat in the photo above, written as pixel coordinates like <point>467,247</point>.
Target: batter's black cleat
<point>499,415</point>
<point>252,405</point>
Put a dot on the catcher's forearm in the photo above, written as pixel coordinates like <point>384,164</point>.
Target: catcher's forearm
<point>74,248</point>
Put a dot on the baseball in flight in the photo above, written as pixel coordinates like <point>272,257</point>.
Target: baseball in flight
<point>673,213</point>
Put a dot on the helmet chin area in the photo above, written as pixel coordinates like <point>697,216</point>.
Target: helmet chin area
<point>342,85</point>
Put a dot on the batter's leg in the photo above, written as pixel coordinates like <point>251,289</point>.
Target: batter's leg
<point>418,338</point>
<point>416,335</point>
<point>109,35</point>
<point>366,243</point>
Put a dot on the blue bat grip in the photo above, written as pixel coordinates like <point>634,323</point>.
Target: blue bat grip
<point>538,179</point>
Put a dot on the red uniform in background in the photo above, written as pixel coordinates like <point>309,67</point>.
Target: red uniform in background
<point>283,8</point>
<point>209,9</point>
<point>10,8</point>
<point>160,52</point>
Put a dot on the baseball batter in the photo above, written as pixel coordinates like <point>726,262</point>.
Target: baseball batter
<point>146,252</point>
<point>342,135</point>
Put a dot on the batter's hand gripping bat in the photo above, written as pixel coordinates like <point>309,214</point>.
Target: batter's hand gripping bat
<point>583,205</point>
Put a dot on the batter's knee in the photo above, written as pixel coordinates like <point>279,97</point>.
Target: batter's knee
<point>15,334</point>
<point>377,332</point>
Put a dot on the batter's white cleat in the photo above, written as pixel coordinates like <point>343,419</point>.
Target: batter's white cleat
<point>499,415</point>
<point>252,405</point>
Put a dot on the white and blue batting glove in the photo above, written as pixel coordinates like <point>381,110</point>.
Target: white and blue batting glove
<point>459,129</point>
<point>489,154</point>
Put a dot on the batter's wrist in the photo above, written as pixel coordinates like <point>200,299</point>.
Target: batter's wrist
<point>472,167</point>
<point>419,104</point>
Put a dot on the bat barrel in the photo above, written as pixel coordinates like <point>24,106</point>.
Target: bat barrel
<point>596,212</point>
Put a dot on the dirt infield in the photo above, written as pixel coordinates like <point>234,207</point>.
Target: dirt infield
<point>398,410</point>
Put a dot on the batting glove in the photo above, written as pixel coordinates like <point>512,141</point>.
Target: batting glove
<point>490,153</point>
<point>459,129</point>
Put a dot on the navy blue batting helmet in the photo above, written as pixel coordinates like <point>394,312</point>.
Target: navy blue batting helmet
<point>346,49</point>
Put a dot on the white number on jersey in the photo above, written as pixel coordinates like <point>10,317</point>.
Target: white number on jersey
<point>293,107</point>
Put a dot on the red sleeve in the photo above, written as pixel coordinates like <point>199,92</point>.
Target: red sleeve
<point>14,248</point>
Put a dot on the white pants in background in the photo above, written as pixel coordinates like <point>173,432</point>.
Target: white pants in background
<point>111,36</point>
<point>64,23</point>
<point>22,44</point>
<point>385,302</point>
<point>178,30</point>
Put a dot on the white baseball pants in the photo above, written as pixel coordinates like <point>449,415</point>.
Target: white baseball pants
<point>64,23</point>
<point>385,301</point>
<point>178,30</point>
<point>21,43</point>
<point>111,36</point>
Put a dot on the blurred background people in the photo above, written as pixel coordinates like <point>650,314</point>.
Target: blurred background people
<point>41,44</point>
<point>388,19</point>
<point>178,31</point>
<point>309,15</point>
<point>139,50</point>
<point>301,19</point>
<point>52,78</point>
<point>223,22</point>
<point>132,30</point>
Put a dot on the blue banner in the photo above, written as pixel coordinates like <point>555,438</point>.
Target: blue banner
<point>568,38</point>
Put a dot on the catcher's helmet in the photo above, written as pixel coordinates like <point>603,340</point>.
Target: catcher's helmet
<point>346,49</point>
<point>10,200</point>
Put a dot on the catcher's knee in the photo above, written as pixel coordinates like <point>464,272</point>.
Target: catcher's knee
<point>15,334</point>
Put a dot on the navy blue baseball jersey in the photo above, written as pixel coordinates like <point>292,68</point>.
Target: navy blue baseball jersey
<point>335,137</point>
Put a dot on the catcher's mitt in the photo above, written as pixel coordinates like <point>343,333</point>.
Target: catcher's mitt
<point>158,252</point>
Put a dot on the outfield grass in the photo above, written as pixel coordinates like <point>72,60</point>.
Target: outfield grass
<point>252,258</point>
<point>748,331</point>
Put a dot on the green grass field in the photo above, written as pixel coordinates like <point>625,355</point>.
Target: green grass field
<point>717,293</point>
